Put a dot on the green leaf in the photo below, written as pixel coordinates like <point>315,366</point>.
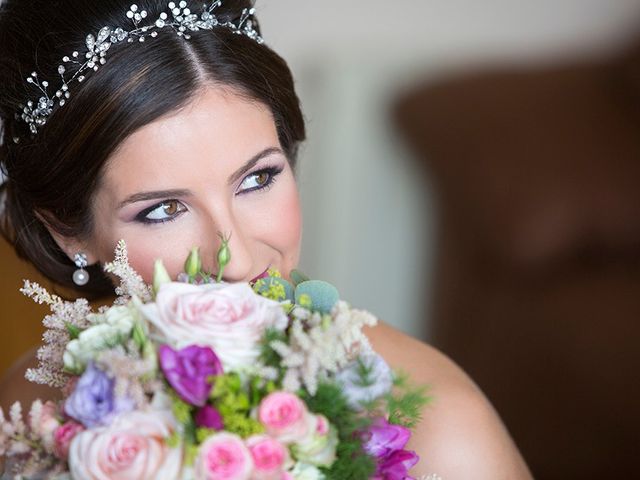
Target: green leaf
<point>74,332</point>
<point>297,277</point>
<point>268,355</point>
<point>406,402</point>
<point>351,460</point>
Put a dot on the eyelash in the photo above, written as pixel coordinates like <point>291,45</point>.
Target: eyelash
<point>272,171</point>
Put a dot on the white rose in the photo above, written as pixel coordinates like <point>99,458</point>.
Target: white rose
<point>319,446</point>
<point>132,447</point>
<point>229,318</point>
<point>303,471</point>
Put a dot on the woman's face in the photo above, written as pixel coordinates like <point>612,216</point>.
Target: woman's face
<point>215,167</point>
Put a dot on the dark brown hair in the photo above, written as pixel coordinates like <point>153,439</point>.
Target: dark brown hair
<point>53,175</point>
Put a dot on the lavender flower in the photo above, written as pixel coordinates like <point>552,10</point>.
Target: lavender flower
<point>189,370</point>
<point>365,379</point>
<point>386,443</point>
<point>93,401</point>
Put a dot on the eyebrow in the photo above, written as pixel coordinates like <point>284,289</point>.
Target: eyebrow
<point>251,163</point>
<point>161,194</point>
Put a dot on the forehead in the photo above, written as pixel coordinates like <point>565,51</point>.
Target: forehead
<point>219,130</point>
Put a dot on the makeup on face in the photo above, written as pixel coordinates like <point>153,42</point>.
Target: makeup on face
<point>214,167</point>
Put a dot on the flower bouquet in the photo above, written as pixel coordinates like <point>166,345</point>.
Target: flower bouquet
<point>197,378</point>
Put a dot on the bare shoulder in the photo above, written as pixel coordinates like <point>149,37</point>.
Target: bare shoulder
<point>14,387</point>
<point>461,435</point>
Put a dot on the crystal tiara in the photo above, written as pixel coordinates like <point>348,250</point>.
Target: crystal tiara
<point>35,113</point>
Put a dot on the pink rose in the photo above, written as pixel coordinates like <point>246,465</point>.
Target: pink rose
<point>285,417</point>
<point>132,447</point>
<point>62,438</point>
<point>322,425</point>
<point>224,456</point>
<point>270,457</point>
<point>229,318</point>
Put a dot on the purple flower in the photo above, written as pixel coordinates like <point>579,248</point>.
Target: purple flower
<point>383,438</point>
<point>93,401</point>
<point>396,466</point>
<point>386,442</point>
<point>209,417</point>
<point>189,370</point>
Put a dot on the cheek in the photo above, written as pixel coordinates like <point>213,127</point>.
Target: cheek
<point>142,260</point>
<point>144,248</point>
<point>286,226</point>
<point>273,223</point>
<point>291,228</point>
<point>173,254</point>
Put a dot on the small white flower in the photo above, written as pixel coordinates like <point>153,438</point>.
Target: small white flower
<point>123,318</point>
<point>322,345</point>
<point>91,342</point>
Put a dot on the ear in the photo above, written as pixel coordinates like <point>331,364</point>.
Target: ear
<point>69,245</point>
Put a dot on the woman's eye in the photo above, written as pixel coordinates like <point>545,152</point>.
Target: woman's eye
<point>258,180</point>
<point>163,212</point>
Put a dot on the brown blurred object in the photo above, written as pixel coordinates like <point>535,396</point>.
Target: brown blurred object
<point>20,318</point>
<point>537,178</point>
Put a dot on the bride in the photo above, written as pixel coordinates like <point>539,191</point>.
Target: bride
<point>165,139</point>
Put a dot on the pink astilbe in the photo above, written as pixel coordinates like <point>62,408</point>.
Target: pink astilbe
<point>21,445</point>
<point>50,370</point>
<point>131,283</point>
<point>12,430</point>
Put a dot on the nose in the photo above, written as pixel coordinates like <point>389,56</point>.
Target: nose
<point>240,266</point>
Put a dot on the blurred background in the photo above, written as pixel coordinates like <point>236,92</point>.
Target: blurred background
<point>471,176</point>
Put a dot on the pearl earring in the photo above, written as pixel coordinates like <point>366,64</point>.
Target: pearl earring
<point>80,276</point>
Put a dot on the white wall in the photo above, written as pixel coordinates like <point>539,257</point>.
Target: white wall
<point>368,217</point>
<point>457,27</point>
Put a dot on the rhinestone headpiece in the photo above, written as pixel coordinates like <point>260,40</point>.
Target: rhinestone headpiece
<point>180,18</point>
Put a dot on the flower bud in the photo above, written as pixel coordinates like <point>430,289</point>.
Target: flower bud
<point>224,256</point>
<point>160,276</point>
<point>209,417</point>
<point>193,264</point>
<point>139,337</point>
